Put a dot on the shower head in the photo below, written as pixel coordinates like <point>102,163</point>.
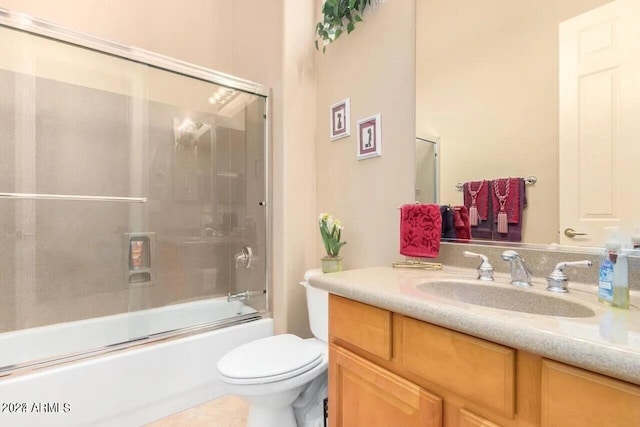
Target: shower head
<point>188,133</point>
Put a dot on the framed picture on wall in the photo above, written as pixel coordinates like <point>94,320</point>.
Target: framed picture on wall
<point>369,137</point>
<point>340,116</point>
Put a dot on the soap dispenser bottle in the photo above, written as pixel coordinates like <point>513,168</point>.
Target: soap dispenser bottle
<point>613,283</point>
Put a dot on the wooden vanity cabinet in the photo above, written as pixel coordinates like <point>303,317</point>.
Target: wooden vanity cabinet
<point>387,369</point>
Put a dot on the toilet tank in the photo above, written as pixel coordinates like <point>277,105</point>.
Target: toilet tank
<point>318,307</point>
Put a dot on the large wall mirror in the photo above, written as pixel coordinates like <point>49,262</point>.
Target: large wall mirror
<point>540,88</point>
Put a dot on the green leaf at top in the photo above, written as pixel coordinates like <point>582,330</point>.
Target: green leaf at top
<point>338,15</point>
<point>350,27</point>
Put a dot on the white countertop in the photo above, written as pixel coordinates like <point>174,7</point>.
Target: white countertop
<point>608,342</point>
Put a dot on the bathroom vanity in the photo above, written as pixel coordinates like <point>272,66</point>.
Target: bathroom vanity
<point>403,355</point>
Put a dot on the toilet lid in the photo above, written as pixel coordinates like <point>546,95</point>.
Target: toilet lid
<point>269,359</point>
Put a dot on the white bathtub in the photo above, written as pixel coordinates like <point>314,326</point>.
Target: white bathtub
<point>124,388</point>
<point>47,342</point>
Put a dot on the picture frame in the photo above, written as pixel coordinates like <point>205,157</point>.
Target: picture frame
<point>340,119</point>
<point>369,137</point>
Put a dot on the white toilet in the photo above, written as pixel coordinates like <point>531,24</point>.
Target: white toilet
<point>279,373</point>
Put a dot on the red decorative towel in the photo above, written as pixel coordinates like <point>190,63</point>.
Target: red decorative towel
<point>512,201</point>
<point>420,229</point>
<point>482,197</point>
<point>461,222</point>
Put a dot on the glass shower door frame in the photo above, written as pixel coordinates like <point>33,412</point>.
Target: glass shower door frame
<point>28,24</point>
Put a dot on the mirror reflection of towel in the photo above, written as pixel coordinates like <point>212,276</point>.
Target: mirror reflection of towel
<point>461,222</point>
<point>448,228</point>
<point>482,197</point>
<point>484,229</point>
<point>514,234</point>
<point>513,207</point>
<point>420,229</point>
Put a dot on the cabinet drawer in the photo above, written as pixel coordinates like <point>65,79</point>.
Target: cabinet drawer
<point>472,368</point>
<point>361,325</point>
<point>572,397</point>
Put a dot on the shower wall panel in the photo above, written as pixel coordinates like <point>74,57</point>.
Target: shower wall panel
<point>94,142</point>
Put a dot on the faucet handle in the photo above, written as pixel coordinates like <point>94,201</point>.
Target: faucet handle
<point>485,269</point>
<point>557,281</point>
<point>244,257</point>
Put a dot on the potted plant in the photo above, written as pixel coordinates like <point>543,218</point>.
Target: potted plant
<point>338,15</point>
<point>331,231</point>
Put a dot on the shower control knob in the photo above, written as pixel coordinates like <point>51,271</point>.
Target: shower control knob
<point>244,258</point>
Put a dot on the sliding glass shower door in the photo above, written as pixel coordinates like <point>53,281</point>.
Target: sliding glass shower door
<point>131,185</point>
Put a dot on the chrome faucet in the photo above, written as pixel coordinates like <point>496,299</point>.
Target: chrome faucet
<point>557,281</point>
<point>485,270</point>
<point>520,274</point>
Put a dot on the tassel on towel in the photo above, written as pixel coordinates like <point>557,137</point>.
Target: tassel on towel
<point>502,196</point>
<point>515,209</point>
<point>503,227</point>
<point>473,215</point>
<point>476,198</point>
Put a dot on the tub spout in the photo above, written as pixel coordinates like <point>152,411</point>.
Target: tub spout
<point>244,295</point>
<point>238,296</point>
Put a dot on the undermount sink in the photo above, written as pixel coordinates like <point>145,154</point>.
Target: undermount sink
<point>512,299</point>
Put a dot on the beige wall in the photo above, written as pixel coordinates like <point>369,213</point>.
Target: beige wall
<point>197,31</point>
<point>294,171</point>
<point>488,87</point>
<point>375,67</point>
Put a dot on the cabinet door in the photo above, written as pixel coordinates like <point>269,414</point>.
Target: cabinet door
<point>469,419</point>
<point>475,369</point>
<point>572,397</point>
<point>362,394</point>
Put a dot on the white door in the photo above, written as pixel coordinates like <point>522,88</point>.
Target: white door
<point>599,122</point>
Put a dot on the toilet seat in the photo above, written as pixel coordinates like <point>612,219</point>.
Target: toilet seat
<point>268,360</point>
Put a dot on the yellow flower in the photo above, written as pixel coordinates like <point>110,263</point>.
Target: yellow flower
<point>331,231</point>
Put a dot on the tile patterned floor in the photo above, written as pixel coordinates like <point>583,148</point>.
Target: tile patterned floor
<point>227,411</point>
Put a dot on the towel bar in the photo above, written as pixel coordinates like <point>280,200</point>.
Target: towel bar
<point>29,196</point>
<point>417,264</point>
<point>530,180</point>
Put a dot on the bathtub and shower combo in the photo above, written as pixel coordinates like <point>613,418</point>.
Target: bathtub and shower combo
<point>133,227</point>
